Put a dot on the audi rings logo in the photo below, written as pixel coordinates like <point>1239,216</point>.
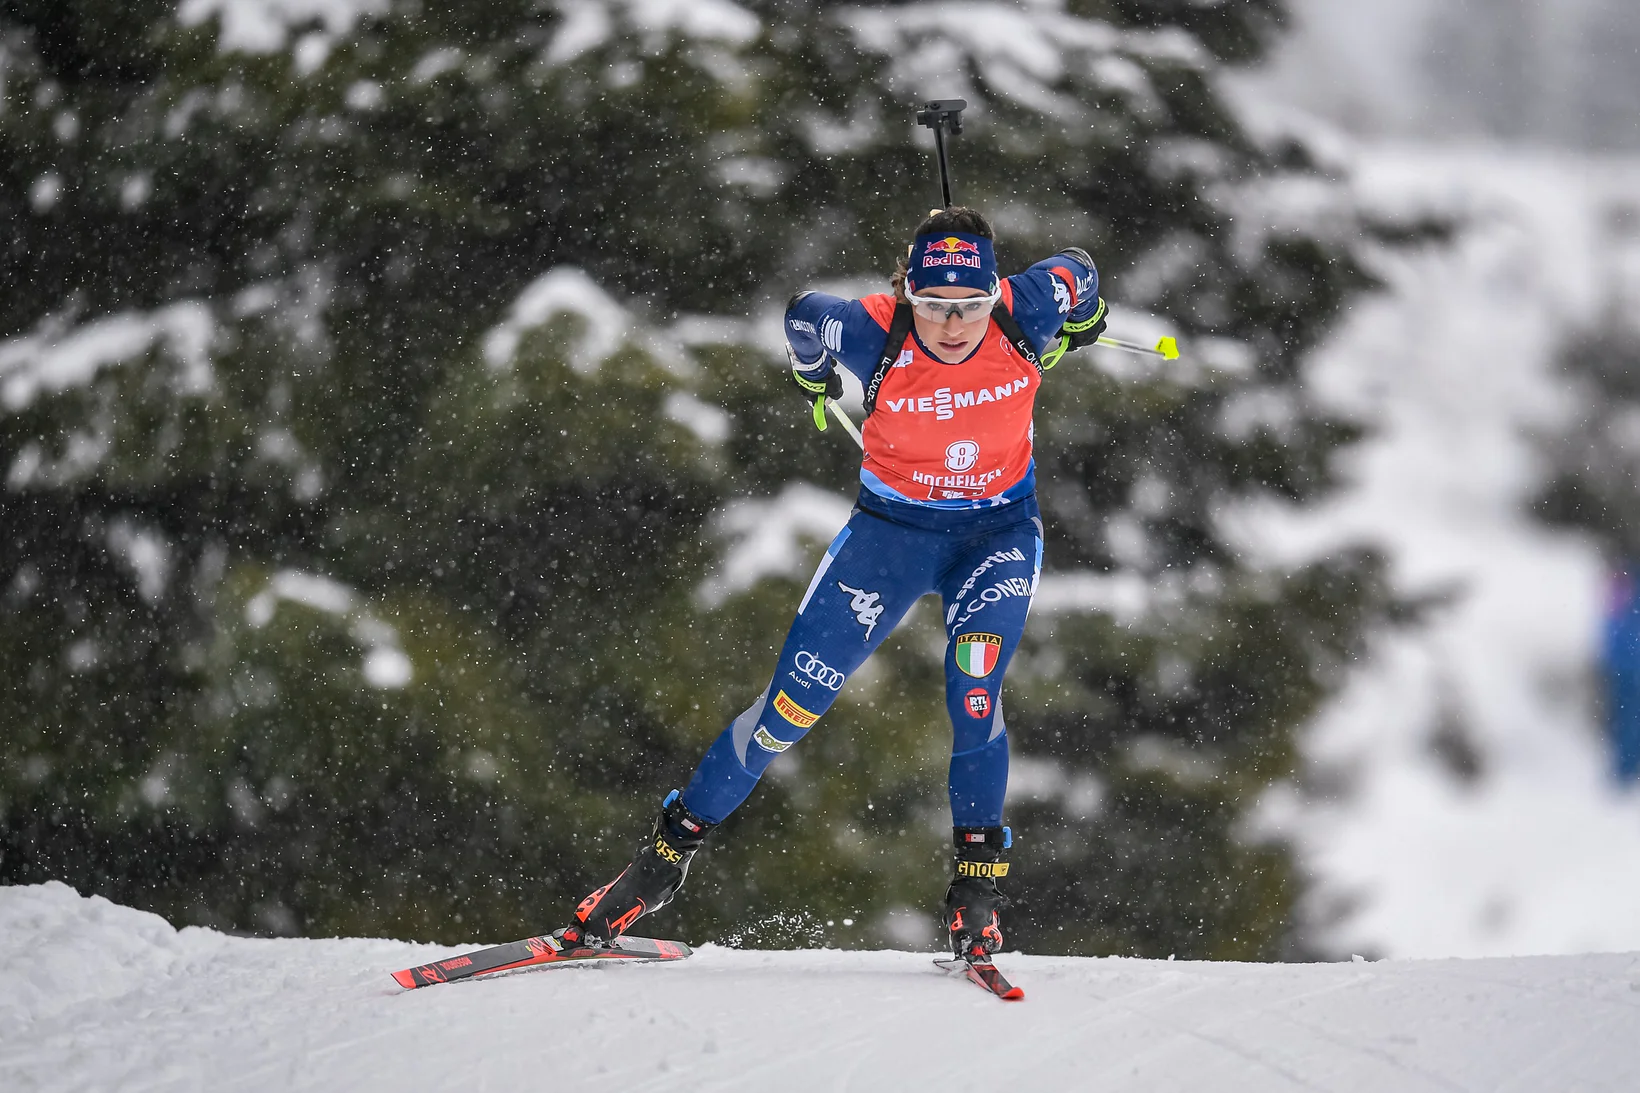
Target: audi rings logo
<point>817,670</point>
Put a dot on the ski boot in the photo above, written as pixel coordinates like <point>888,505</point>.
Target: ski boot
<point>648,883</point>
<point>971,921</point>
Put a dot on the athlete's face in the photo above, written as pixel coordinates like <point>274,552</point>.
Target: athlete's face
<point>954,337</point>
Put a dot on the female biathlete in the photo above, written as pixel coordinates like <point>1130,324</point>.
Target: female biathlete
<point>950,362</point>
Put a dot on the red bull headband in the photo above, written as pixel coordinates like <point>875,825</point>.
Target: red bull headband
<point>952,260</point>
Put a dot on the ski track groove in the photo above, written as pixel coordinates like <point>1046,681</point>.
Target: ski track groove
<point>1515,985</point>
<point>1280,1011</point>
<point>1562,1050</point>
<point>1230,1048</point>
<point>1372,1052</point>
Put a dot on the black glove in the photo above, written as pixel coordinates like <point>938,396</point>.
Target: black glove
<point>817,390</point>
<point>1075,334</point>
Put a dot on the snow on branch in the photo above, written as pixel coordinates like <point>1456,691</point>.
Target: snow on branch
<point>385,666</point>
<point>605,325</point>
<point>263,26</point>
<point>53,360</point>
<point>1021,52</point>
<point>767,535</point>
<point>591,24</point>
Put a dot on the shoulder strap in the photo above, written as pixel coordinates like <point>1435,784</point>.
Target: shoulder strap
<point>898,330</point>
<point>1010,330</point>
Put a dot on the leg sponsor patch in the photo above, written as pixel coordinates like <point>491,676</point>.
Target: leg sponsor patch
<point>767,742</point>
<point>977,702</point>
<point>977,654</point>
<point>791,711</point>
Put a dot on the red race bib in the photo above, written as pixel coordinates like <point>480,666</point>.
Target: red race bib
<point>945,432</point>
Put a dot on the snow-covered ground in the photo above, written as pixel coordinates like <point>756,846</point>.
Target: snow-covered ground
<point>1459,800</point>
<point>98,997</point>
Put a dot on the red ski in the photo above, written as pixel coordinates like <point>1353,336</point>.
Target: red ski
<point>982,973</point>
<point>532,951</point>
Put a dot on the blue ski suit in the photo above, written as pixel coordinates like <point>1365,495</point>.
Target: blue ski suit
<point>981,554</point>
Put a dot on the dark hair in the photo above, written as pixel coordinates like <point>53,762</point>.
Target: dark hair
<point>958,218</point>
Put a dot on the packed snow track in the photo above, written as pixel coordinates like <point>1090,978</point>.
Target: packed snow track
<point>95,996</point>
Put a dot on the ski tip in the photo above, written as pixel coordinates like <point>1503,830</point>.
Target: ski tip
<point>405,979</point>
<point>1012,994</point>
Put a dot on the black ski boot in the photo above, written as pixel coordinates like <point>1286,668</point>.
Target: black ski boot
<point>971,921</point>
<point>648,883</point>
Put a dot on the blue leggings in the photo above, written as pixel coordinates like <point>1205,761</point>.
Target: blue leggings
<point>871,575</point>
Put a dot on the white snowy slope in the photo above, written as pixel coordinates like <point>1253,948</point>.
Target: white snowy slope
<point>1453,366</point>
<point>94,996</point>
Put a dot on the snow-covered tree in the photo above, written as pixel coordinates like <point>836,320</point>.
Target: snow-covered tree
<point>384,389</point>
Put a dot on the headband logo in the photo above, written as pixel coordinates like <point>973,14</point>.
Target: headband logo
<point>951,251</point>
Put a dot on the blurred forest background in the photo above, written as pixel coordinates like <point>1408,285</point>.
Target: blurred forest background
<point>387,391</point>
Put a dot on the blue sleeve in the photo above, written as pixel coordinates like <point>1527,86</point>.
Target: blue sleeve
<point>822,329</point>
<point>1052,291</point>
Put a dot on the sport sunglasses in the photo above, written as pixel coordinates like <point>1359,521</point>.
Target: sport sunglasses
<point>938,309</point>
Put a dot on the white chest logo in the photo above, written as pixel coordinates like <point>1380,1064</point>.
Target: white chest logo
<point>961,456</point>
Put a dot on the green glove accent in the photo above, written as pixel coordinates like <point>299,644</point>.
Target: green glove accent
<point>1053,356</point>
<point>1096,319</point>
<point>813,387</point>
<point>1076,335</point>
<point>820,390</point>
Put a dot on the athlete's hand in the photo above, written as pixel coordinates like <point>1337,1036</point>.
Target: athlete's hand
<point>816,389</point>
<point>1076,333</point>
<point>1087,331</point>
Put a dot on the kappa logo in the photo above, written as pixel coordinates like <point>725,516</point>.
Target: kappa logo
<point>768,742</point>
<point>867,610</point>
<point>819,671</point>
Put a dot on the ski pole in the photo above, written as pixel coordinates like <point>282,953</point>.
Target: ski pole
<point>1166,348</point>
<point>848,426</point>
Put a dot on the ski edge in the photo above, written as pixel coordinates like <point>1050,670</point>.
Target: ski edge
<point>985,975</point>
<point>533,951</point>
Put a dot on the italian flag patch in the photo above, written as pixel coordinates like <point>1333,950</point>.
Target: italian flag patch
<point>977,653</point>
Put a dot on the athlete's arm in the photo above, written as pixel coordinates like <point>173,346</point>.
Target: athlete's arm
<point>823,330</point>
<point>1055,290</point>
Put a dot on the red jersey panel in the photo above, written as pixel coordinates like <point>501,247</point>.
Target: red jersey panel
<point>943,432</point>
